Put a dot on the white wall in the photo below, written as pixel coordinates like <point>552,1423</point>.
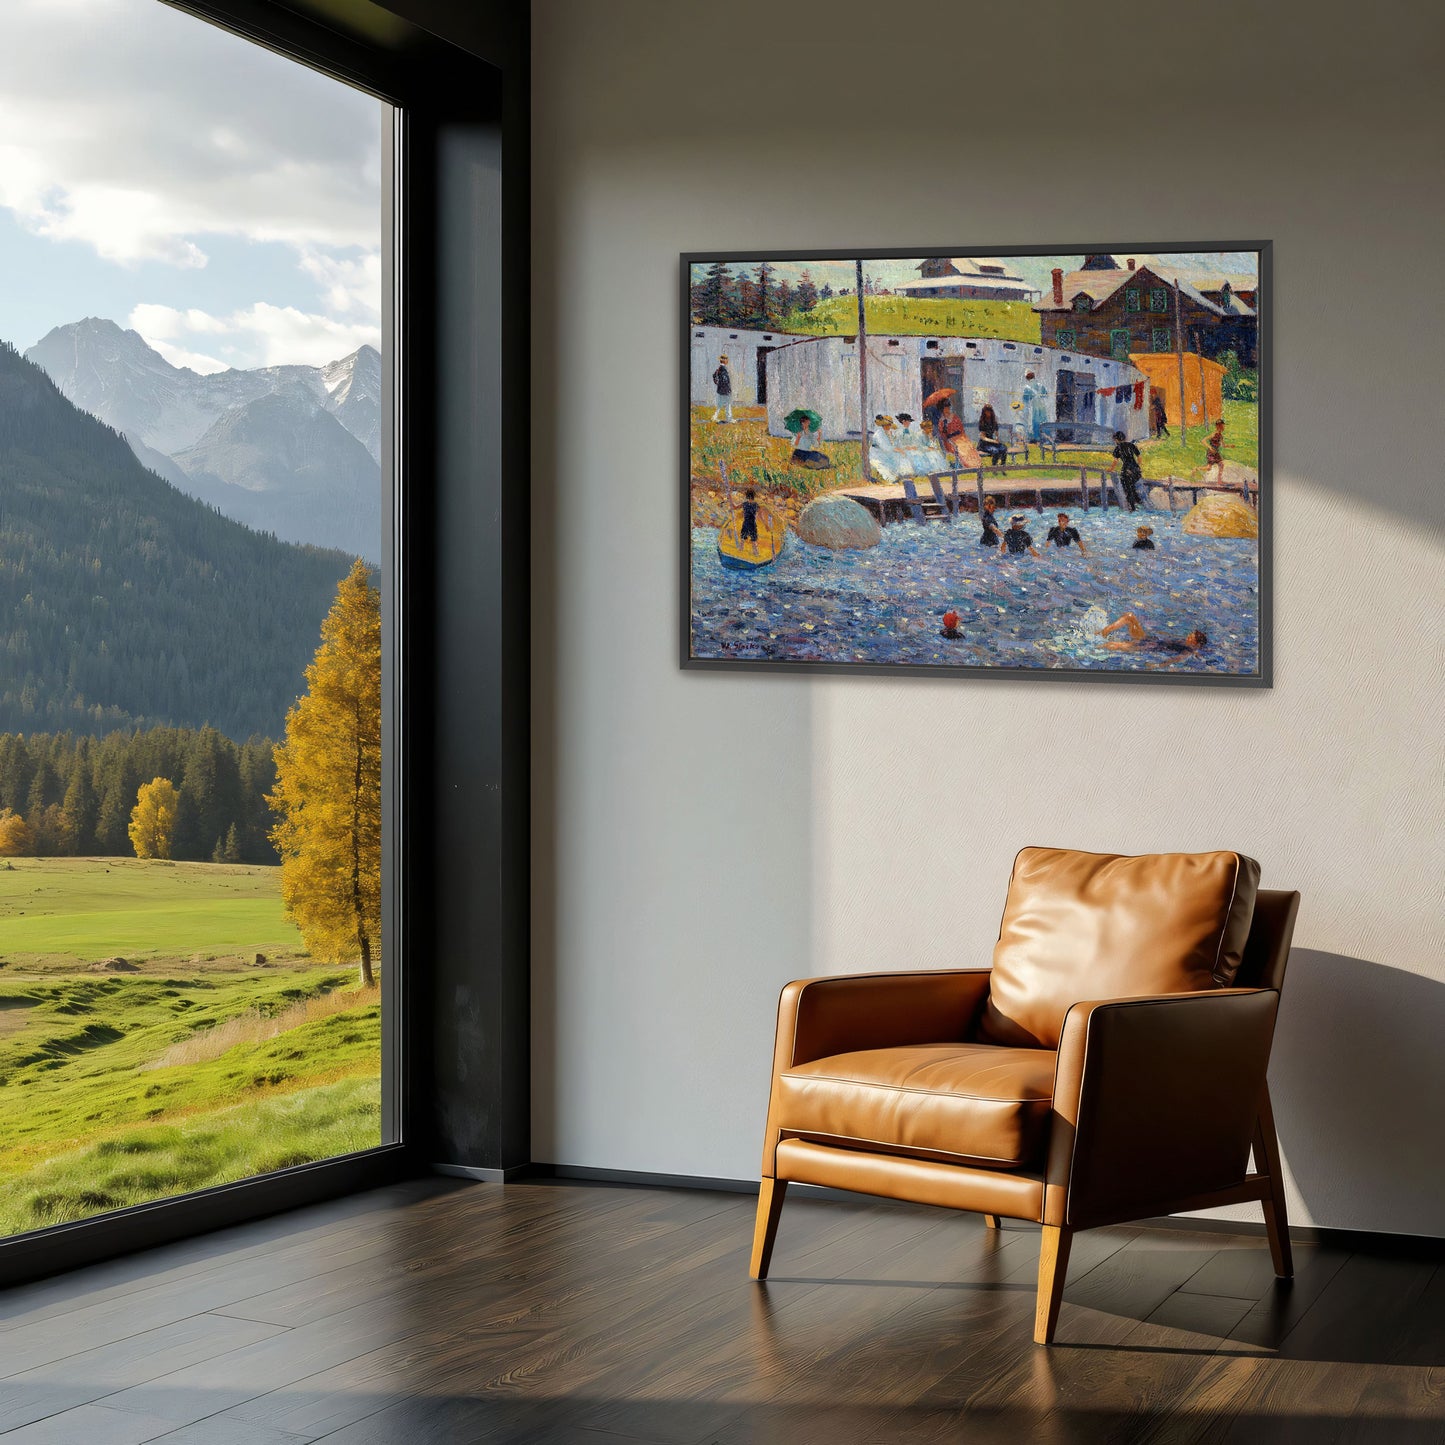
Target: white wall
<point>671,905</point>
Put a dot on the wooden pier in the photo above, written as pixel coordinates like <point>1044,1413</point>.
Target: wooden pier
<point>945,495</point>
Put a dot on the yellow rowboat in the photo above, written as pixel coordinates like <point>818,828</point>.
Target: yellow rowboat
<point>748,556</point>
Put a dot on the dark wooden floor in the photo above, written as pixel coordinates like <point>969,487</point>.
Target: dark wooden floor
<point>437,1312</point>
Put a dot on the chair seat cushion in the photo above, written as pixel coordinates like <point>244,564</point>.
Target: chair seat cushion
<point>969,1103</point>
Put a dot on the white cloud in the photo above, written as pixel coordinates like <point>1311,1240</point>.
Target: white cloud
<point>142,131</point>
<point>257,335</point>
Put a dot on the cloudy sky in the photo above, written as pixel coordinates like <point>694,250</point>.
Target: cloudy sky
<point>220,200</point>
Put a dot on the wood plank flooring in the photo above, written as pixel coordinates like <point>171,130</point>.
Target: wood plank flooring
<point>438,1311</point>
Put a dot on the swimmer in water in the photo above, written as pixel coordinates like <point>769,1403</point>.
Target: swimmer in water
<point>1140,639</point>
<point>1144,540</point>
<point>992,533</point>
<point>1062,535</point>
<point>1017,541</point>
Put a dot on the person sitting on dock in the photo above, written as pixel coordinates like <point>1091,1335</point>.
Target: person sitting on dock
<point>1140,639</point>
<point>1130,472</point>
<point>992,532</point>
<point>1016,541</point>
<point>948,430</point>
<point>930,457</point>
<point>884,456</point>
<point>1144,540</point>
<point>988,439</point>
<point>1061,534</point>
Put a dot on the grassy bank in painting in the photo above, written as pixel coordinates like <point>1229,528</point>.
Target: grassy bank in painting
<point>918,316</point>
<point>195,1066</point>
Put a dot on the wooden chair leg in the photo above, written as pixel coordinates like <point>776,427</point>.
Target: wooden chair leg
<point>765,1229</point>
<point>1266,1160</point>
<point>1053,1266</point>
<point>991,1221</point>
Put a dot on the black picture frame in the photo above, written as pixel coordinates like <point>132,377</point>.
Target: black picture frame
<point>1262,678</point>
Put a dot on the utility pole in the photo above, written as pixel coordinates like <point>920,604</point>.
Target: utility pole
<point>1179,349</point>
<point>863,377</point>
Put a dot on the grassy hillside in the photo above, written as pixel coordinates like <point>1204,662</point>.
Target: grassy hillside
<point>200,1068</point>
<point>919,316</point>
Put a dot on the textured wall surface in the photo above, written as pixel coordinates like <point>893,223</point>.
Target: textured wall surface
<point>668,907</point>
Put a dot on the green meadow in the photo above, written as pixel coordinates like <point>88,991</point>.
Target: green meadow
<point>190,1064</point>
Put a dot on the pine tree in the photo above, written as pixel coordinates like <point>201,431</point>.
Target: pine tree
<point>153,820</point>
<point>327,796</point>
<point>231,848</point>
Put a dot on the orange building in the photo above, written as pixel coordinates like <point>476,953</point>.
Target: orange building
<point>1203,385</point>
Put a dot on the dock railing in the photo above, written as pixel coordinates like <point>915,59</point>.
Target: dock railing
<point>1095,486</point>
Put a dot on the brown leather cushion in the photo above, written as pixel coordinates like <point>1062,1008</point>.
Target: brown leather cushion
<point>1082,926</point>
<point>971,1103</point>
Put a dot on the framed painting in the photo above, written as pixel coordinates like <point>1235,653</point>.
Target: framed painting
<point>1042,462</point>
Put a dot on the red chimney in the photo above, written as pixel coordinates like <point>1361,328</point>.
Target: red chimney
<point>1131,263</point>
<point>1058,285</point>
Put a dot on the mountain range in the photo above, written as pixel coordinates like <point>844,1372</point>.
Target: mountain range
<point>292,450</point>
<point>125,602</point>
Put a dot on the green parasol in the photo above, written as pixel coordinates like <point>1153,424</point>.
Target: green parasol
<point>800,414</point>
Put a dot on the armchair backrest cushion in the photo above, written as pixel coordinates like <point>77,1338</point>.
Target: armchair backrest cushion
<point>1080,926</point>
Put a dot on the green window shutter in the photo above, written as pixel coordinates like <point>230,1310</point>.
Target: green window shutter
<point>1119,344</point>
<point>1162,339</point>
<point>1131,299</point>
<point>1066,339</point>
<point>1158,298</point>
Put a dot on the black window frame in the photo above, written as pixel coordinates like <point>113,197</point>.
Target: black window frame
<point>455,917</point>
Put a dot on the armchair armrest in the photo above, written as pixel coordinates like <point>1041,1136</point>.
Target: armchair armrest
<point>819,1017</point>
<point>1155,1101</point>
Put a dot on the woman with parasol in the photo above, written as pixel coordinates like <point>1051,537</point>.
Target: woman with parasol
<point>948,428</point>
<point>806,426</point>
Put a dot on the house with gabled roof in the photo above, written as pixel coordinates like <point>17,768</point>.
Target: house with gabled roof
<point>967,278</point>
<point>1108,309</point>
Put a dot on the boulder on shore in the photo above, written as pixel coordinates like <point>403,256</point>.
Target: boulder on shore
<point>838,523</point>
<point>1218,515</point>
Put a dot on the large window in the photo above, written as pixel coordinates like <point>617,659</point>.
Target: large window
<point>192,566</point>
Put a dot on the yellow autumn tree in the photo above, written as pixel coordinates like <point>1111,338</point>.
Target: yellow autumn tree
<point>14,834</point>
<point>153,819</point>
<point>327,797</point>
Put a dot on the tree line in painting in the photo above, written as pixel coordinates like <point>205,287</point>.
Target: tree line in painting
<point>759,298</point>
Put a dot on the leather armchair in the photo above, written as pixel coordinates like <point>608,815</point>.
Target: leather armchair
<point>1018,1091</point>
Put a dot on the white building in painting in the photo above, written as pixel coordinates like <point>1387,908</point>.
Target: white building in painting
<point>967,278</point>
<point>747,353</point>
<point>821,373</point>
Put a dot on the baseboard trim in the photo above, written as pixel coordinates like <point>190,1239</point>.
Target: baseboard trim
<point>1363,1241</point>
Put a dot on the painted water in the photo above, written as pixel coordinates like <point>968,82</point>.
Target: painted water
<point>885,605</point>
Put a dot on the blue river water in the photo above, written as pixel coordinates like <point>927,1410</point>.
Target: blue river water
<point>885,604</point>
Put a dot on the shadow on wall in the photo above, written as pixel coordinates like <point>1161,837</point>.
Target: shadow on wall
<point>1358,1082</point>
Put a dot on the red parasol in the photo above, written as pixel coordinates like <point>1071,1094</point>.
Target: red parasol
<point>934,397</point>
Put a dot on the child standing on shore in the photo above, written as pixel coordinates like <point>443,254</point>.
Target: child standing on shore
<point>1214,453</point>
